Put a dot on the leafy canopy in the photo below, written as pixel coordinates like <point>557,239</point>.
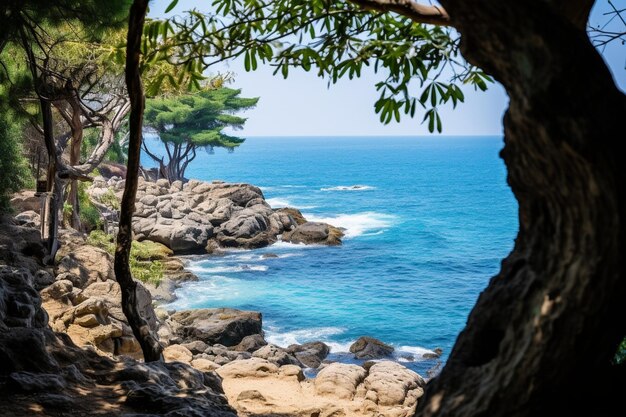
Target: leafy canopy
<point>199,118</point>
<point>419,65</point>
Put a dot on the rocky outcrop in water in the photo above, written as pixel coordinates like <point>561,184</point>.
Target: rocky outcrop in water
<point>201,217</point>
<point>367,347</point>
<point>314,233</point>
<point>311,354</point>
<point>224,326</point>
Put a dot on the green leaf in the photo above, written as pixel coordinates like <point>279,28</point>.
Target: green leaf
<point>171,6</point>
<point>246,61</point>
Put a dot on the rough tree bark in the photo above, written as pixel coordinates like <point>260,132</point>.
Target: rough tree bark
<point>77,140</point>
<point>53,182</point>
<point>149,344</point>
<point>542,336</point>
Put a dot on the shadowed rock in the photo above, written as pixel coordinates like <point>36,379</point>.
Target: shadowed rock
<point>369,348</point>
<point>225,326</point>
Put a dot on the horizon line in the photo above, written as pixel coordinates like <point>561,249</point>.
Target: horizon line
<point>370,136</point>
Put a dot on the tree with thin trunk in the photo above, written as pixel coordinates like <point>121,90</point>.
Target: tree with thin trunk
<point>190,122</point>
<point>152,350</point>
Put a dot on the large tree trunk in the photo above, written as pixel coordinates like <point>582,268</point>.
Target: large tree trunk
<point>149,344</point>
<point>541,338</point>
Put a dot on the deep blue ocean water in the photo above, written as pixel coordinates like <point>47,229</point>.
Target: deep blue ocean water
<point>426,229</point>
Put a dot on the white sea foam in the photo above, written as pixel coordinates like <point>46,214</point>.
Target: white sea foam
<point>379,232</point>
<point>325,334</point>
<point>415,350</point>
<point>277,202</point>
<point>225,269</point>
<point>356,187</point>
<point>357,224</point>
<point>288,245</point>
<point>284,339</point>
<point>338,347</point>
<point>198,293</point>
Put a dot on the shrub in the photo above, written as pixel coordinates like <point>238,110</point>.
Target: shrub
<point>145,257</point>
<point>89,214</point>
<point>14,172</point>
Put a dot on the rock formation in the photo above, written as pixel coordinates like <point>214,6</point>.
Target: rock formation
<point>45,373</point>
<point>200,217</point>
<point>87,366</point>
<point>367,347</point>
<point>259,387</point>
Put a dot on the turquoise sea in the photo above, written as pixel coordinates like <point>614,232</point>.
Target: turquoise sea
<point>427,222</point>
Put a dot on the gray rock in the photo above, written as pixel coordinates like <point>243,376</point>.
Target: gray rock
<point>310,354</point>
<point>43,278</point>
<point>251,343</point>
<point>25,201</point>
<point>201,217</point>
<point>314,233</point>
<point>369,348</point>
<point>35,382</point>
<point>437,352</point>
<point>225,326</point>
<point>196,347</point>
<point>276,355</point>
<point>28,218</point>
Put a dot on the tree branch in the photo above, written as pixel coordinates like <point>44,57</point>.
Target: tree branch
<point>418,13</point>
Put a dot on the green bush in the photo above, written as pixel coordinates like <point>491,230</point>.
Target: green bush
<point>145,257</point>
<point>110,200</point>
<point>89,215</point>
<point>14,172</point>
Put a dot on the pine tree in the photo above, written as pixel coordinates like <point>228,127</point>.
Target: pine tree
<point>192,121</point>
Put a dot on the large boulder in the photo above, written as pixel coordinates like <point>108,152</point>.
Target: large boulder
<point>93,316</point>
<point>180,238</point>
<point>89,263</point>
<point>25,200</point>
<point>391,384</point>
<point>225,326</point>
<point>20,246</point>
<point>20,303</point>
<point>177,353</point>
<point>314,233</point>
<point>28,218</point>
<point>294,215</point>
<point>248,229</point>
<point>251,343</point>
<point>311,354</point>
<point>339,380</point>
<point>248,368</point>
<point>367,347</point>
<point>276,355</point>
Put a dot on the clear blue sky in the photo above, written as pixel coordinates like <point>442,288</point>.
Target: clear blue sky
<point>303,105</point>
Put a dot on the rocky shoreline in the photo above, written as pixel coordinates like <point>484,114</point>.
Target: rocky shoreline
<point>77,302</point>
